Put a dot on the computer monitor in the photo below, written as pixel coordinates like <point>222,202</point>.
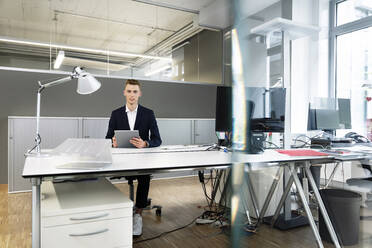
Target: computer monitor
<point>224,109</point>
<point>323,115</point>
<point>255,97</point>
<point>311,119</point>
<point>277,103</point>
<point>329,114</point>
<point>269,119</point>
<point>344,112</point>
<point>327,119</point>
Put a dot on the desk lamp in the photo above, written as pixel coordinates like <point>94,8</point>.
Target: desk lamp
<point>87,84</point>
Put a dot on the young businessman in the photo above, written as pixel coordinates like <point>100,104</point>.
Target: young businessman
<point>136,117</point>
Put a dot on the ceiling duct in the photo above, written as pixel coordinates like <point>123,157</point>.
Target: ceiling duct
<point>215,16</point>
<point>165,46</point>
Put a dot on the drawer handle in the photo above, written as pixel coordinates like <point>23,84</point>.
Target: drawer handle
<point>88,234</point>
<point>89,217</point>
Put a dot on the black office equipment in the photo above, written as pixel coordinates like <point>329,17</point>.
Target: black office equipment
<point>329,115</point>
<point>323,115</point>
<point>224,109</point>
<point>257,121</point>
<point>357,137</point>
<point>267,125</point>
<point>273,121</point>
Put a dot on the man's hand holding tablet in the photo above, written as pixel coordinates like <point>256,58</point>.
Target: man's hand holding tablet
<point>128,139</point>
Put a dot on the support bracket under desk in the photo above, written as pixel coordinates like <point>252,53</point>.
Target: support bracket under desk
<point>293,167</point>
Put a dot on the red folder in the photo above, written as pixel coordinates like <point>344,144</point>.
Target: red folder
<point>302,152</point>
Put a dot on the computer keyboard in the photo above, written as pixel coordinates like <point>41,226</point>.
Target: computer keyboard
<point>164,149</point>
<point>85,150</point>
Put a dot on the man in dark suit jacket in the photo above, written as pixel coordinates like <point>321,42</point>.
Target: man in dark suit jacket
<point>136,117</point>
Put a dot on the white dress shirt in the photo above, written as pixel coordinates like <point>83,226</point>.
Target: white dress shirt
<point>131,117</point>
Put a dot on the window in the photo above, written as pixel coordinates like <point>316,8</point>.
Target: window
<point>354,72</point>
<point>352,62</point>
<point>352,10</point>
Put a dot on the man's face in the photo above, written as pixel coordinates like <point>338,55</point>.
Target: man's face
<point>132,94</point>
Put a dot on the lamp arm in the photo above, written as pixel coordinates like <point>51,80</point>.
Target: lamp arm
<point>76,73</point>
<point>41,88</point>
<point>56,82</point>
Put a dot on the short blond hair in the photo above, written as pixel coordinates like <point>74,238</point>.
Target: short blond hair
<point>132,82</point>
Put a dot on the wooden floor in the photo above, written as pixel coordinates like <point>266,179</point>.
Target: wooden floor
<point>182,200</point>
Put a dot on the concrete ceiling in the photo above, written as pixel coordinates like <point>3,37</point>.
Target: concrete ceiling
<point>121,25</point>
<point>118,25</point>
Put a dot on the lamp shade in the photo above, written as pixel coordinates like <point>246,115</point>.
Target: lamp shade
<point>87,84</point>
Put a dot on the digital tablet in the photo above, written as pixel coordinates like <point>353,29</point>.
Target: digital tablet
<point>123,137</point>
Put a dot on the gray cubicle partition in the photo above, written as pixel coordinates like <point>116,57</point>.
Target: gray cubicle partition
<point>54,130</point>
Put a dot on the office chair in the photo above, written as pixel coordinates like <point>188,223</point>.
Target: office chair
<point>364,183</point>
<point>149,207</point>
<point>131,196</point>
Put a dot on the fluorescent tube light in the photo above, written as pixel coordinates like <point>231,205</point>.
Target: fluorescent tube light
<point>81,49</point>
<point>59,59</point>
<point>94,64</point>
<point>157,70</point>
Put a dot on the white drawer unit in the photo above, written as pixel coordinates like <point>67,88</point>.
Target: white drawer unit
<point>92,213</point>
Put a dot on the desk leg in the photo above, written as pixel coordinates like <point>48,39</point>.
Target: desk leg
<point>287,206</point>
<point>282,200</point>
<point>332,175</point>
<point>252,192</point>
<point>216,186</point>
<point>306,206</point>
<point>270,194</point>
<point>36,242</point>
<point>322,208</point>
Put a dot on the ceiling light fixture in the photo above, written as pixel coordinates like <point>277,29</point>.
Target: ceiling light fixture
<point>160,69</point>
<point>59,60</point>
<point>94,64</point>
<point>81,49</point>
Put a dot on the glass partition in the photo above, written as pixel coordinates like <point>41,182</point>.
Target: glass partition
<point>122,38</point>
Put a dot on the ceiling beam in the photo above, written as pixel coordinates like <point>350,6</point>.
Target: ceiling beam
<point>168,6</point>
<point>81,49</point>
<point>113,21</point>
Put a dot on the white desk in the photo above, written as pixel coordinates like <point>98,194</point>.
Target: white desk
<point>44,168</point>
